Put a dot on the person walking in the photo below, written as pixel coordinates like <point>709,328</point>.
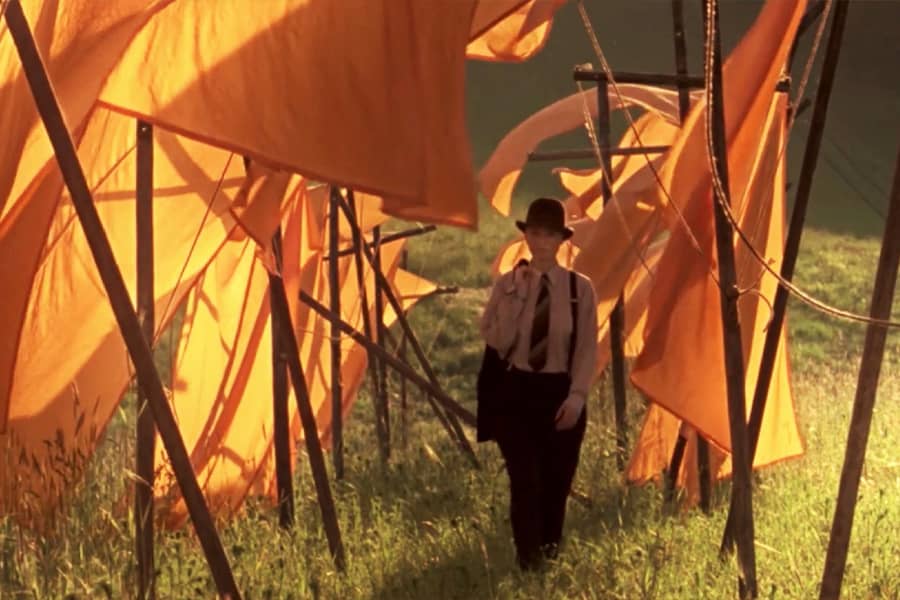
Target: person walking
<point>541,319</point>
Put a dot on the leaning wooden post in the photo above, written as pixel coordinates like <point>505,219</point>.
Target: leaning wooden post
<point>795,232</point>
<point>337,404</point>
<point>308,420</point>
<point>404,433</point>
<point>684,106</point>
<point>864,403</point>
<point>382,417</point>
<point>146,431</point>
<point>617,316</point>
<point>281,430</point>
<point>123,309</point>
<point>741,489</point>
<point>372,360</point>
<point>453,409</point>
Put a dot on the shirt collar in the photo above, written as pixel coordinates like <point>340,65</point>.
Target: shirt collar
<point>554,275</point>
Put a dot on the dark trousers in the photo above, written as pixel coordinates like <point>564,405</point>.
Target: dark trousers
<point>540,461</point>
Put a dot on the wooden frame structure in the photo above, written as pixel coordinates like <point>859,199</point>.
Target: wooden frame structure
<point>154,413</point>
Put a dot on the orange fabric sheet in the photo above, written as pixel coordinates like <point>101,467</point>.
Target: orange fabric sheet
<point>684,318</point>
<point>518,36</point>
<point>360,102</point>
<point>80,45</point>
<point>499,175</point>
<point>223,374</point>
<point>72,365</point>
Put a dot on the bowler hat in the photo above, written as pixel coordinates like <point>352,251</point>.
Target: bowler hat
<point>548,213</point>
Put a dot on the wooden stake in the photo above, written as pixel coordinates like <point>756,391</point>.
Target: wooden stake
<point>404,432</point>
<point>684,106</point>
<point>146,430</point>
<point>617,316</point>
<point>741,489</point>
<point>308,420</point>
<point>111,276</point>
<point>372,359</point>
<point>453,409</point>
<point>795,233</point>
<point>864,403</point>
<point>281,431</point>
<point>382,417</point>
<point>337,405</point>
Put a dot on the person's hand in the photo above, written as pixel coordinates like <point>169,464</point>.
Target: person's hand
<point>520,280</point>
<point>569,412</point>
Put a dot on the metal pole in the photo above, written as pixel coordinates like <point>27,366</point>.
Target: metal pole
<point>617,316</point>
<point>864,403</point>
<point>308,420</point>
<point>741,490</point>
<point>281,429</point>
<point>382,417</point>
<point>146,430</point>
<point>138,349</point>
<point>337,419</point>
<point>795,233</point>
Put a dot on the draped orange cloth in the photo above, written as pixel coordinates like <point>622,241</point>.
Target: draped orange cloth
<point>227,420</point>
<point>80,43</point>
<point>498,176</point>
<point>518,36</point>
<point>72,366</point>
<point>684,318</point>
<point>365,113</point>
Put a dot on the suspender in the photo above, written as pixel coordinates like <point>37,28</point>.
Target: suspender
<point>573,301</point>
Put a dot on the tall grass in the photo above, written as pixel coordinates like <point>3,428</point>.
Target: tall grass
<point>428,526</point>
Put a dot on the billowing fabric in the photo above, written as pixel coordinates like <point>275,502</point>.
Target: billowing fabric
<point>500,173</point>
<point>517,37</point>
<point>488,13</point>
<point>683,317</point>
<point>72,366</point>
<point>226,419</point>
<point>366,116</point>
<point>80,41</point>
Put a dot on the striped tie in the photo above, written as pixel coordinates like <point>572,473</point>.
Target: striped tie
<point>537,355</point>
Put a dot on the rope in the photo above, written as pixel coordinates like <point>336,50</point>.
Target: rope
<point>607,175</point>
<point>604,64</point>
<point>165,313</point>
<point>720,193</point>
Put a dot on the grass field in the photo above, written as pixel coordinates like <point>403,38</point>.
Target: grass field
<point>428,526</point>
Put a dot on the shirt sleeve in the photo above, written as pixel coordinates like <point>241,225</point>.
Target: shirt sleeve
<point>585,359</point>
<point>500,318</point>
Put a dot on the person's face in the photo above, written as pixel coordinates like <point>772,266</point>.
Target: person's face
<point>542,242</point>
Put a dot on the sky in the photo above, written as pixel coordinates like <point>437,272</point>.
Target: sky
<point>862,132</point>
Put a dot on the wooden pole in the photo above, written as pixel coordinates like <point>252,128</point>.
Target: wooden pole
<point>114,284</point>
<point>382,416</point>
<point>281,421</point>
<point>146,430</point>
<point>308,420</point>
<point>372,359</point>
<point>337,405</point>
<point>864,403</point>
<point>454,410</point>
<point>404,431</point>
<point>684,106</point>
<point>617,316</point>
<point>795,233</point>
<point>393,237</point>
<point>741,489</point>
<point>431,391</point>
